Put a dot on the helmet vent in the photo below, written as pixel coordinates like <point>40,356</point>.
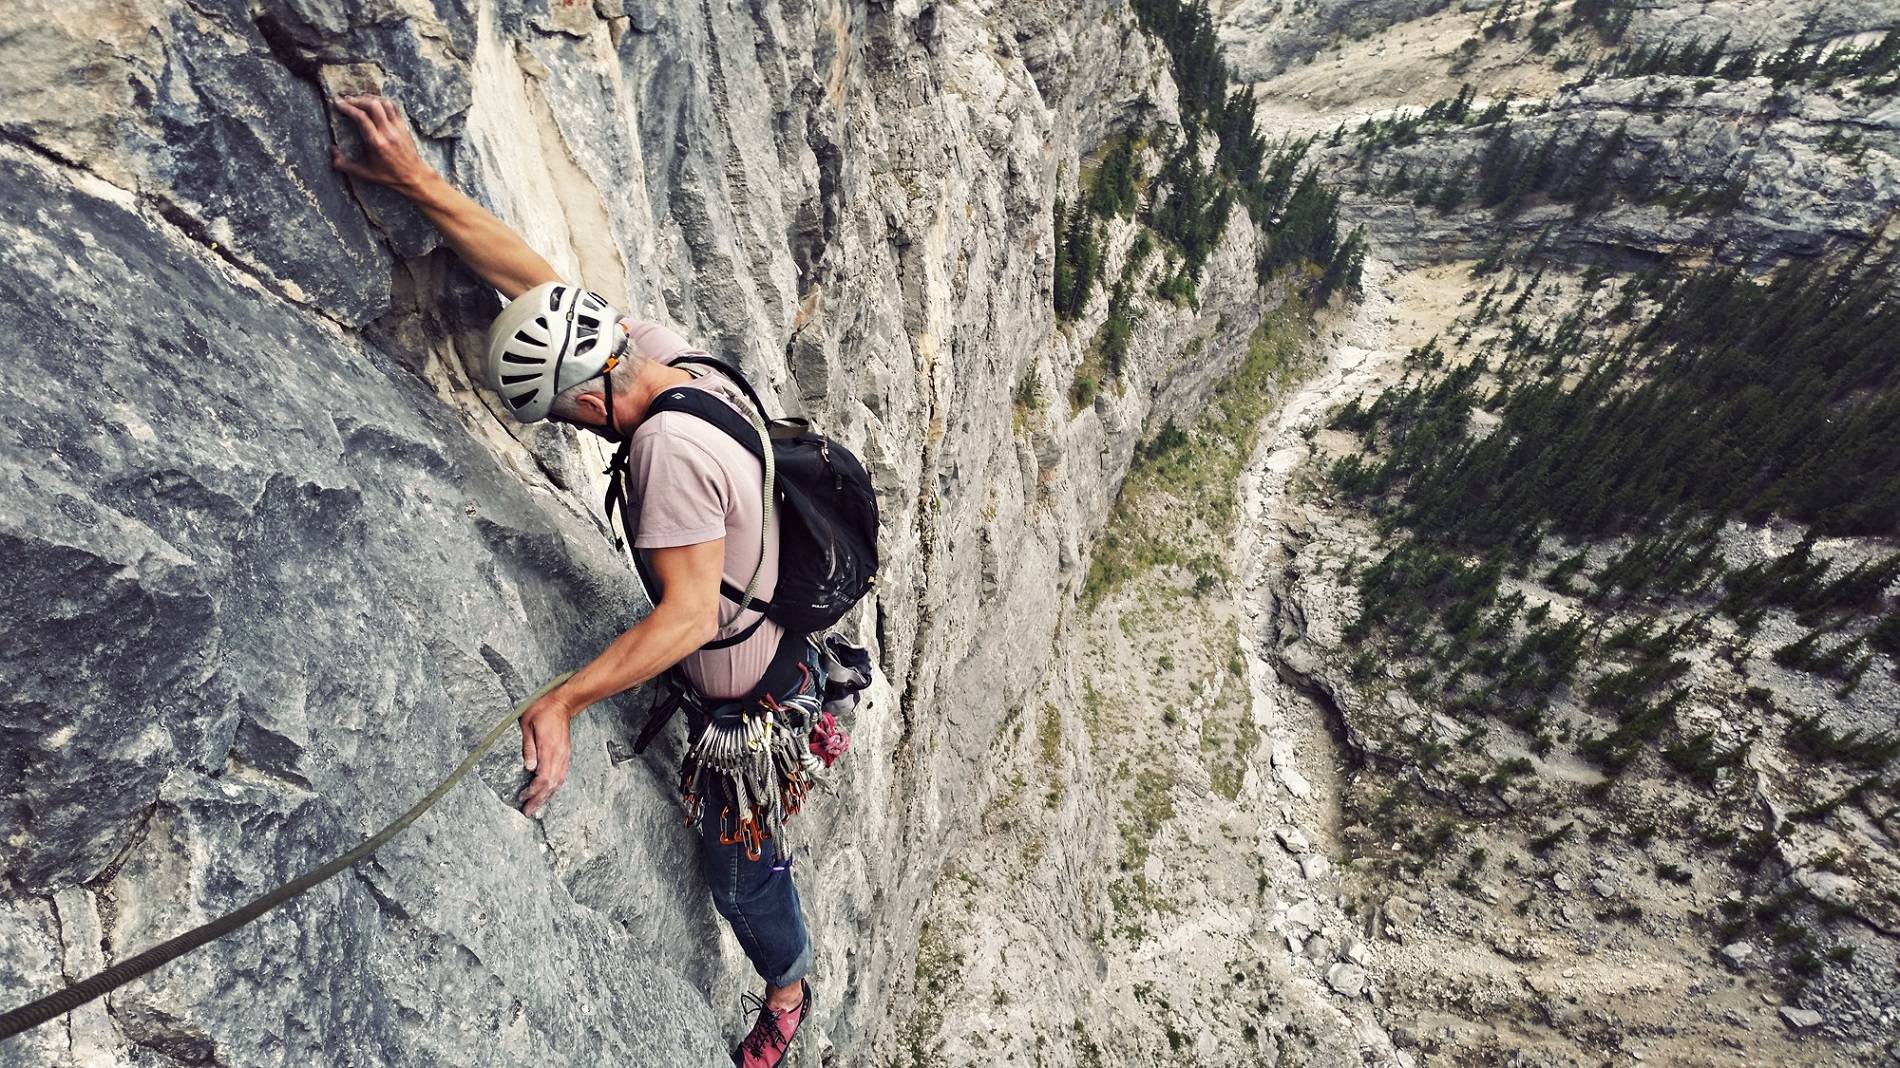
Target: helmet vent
<point>516,357</point>
<point>523,400</point>
<point>584,347</point>
<point>554,297</point>
<point>509,380</point>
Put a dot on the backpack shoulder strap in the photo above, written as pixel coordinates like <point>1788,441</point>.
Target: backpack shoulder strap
<point>662,710</point>
<point>750,433</point>
<point>615,505</point>
<point>616,502</point>
<point>703,405</point>
<point>726,369</point>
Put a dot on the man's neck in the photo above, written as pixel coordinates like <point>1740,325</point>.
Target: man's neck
<point>653,378</point>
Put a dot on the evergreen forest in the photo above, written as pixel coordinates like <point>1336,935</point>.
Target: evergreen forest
<point>1600,451</point>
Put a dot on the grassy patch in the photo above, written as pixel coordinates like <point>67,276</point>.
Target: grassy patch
<point>939,967</point>
<point>1028,400</point>
<point>1049,744</point>
<point>1228,734</point>
<point>1086,384</point>
<point>1179,501</point>
<point>1144,812</point>
<point>1151,806</point>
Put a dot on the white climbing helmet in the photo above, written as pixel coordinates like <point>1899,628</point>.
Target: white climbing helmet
<point>553,337</point>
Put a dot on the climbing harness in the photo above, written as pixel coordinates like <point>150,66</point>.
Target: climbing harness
<point>758,758</point>
<point>755,759</point>
<point>58,1004</point>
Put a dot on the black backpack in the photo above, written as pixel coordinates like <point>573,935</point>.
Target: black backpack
<point>826,511</point>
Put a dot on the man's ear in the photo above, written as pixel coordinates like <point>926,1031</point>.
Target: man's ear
<point>591,408</point>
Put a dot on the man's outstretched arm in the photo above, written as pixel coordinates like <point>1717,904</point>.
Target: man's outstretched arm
<point>686,618</point>
<point>485,243</point>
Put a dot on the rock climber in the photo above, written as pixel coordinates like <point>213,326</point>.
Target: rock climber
<point>699,500</point>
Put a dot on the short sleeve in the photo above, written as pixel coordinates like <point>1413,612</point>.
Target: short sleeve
<point>685,495</point>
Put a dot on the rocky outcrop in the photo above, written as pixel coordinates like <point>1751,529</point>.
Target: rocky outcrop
<point>1524,880</point>
<point>1801,193</point>
<point>1579,877</point>
<point>273,564</point>
<point>1772,24</point>
<point>1745,170</point>
<point>1263,38</point>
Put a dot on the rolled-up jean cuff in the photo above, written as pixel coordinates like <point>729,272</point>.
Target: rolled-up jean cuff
<point>794,971</point>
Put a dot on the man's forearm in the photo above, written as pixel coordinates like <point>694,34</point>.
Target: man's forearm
<point>656,643</point>
<point>489,246</point>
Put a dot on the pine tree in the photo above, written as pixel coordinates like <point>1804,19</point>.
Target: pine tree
<point>1497,167</point>
<point>1343,272</point>
<point>1078,261</point>
<point>1114,190</point>
<point>1242,149</point>
<point>1117,330</point>
<point>1742,64</point>
<point>1064,270</point>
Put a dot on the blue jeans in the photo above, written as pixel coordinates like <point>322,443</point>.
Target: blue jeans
<point>757,897</point>
<point>759,902</point>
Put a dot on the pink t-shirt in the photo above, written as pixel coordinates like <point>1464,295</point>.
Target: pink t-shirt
<point>690,483</point>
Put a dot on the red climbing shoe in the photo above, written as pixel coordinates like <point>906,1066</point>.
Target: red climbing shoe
<point>772,1032</point>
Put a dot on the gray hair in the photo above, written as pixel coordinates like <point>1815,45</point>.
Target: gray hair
<point>566,404</point>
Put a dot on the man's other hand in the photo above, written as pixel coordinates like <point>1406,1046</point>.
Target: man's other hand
<point>390,157</point>
<point>545,748</point>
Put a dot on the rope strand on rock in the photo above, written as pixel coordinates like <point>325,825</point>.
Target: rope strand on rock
<point>58,1004</point>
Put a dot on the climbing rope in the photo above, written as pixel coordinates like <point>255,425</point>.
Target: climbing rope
<point>53,1005</point>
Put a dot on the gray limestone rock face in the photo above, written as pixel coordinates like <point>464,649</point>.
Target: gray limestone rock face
<point>259,585</point>
<point>273,564</point>
<point>193,106</point>
<point>1798,197</point>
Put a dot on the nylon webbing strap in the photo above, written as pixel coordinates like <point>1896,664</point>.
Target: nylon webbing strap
<point>53,1005</point>
<point>755,414</point>
<point>765,522</point>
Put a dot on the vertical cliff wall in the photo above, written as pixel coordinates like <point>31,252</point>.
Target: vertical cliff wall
<point>271,563</point>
